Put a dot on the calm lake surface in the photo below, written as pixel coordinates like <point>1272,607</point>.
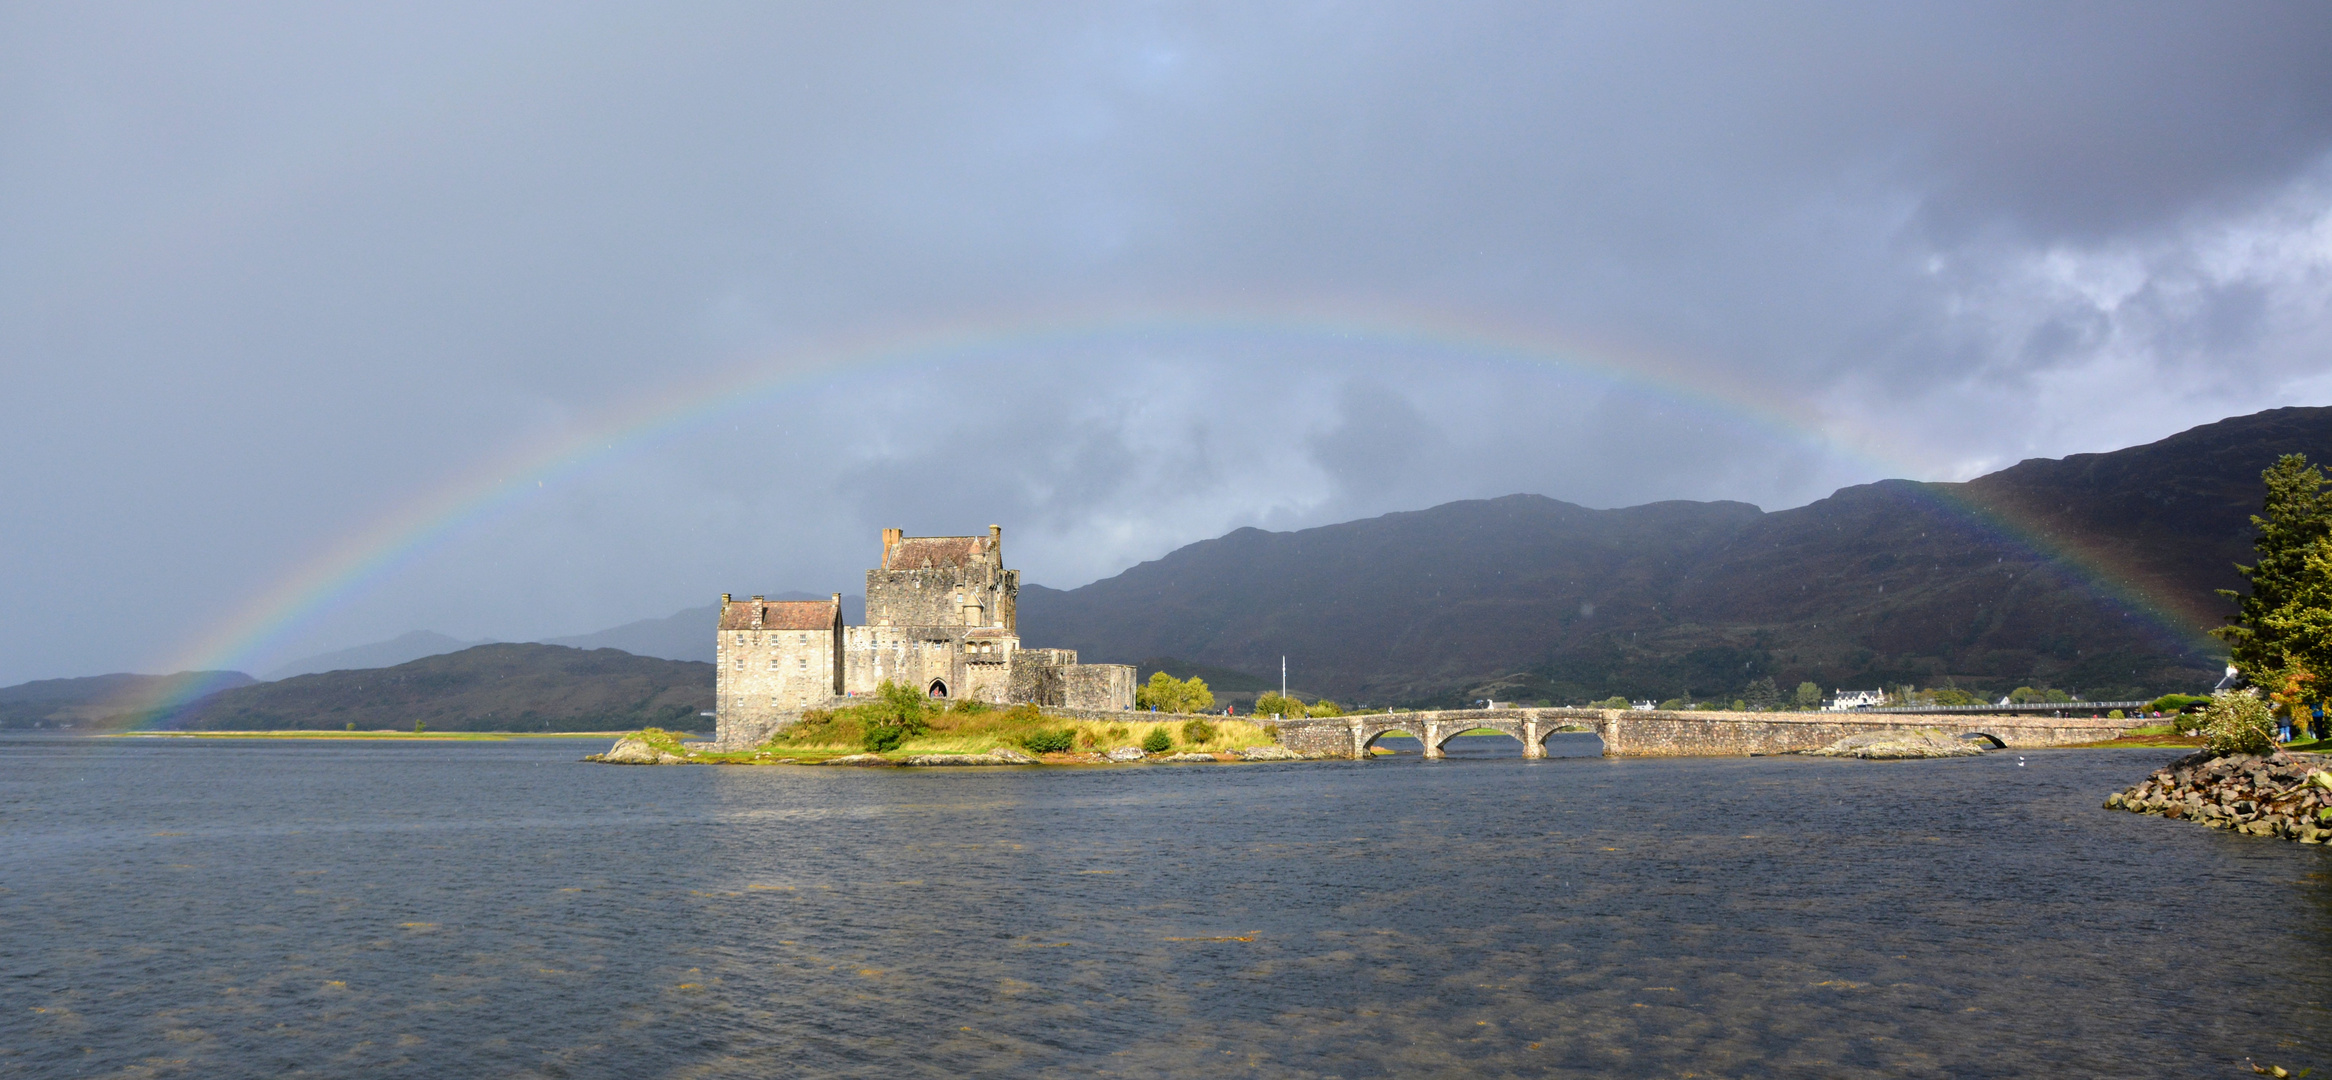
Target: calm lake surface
<point>242,908</point>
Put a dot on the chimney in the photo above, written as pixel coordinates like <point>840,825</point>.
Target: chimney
<point>890,540</point>
<point>996,544</point>
<point>725,598</point>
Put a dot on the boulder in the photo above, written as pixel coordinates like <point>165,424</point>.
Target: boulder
<point>632,750</point>
<point>1189,756</point>
<point>857,759</point>
<point>1123,754</point>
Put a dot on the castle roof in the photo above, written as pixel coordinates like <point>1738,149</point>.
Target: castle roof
<point>779,614</point>
<point>935,552</point>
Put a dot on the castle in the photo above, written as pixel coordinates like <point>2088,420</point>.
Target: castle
<point>940,616</point>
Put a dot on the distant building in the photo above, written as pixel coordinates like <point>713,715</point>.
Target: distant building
<point>1850,700</point>
<point>940,617</point>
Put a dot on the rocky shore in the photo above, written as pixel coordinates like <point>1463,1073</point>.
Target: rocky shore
<point>2280,794</point>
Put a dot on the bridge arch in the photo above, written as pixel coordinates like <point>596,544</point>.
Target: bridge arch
<point>1510,728</point>
<point>1989,740</point>
<point>1369,735</point>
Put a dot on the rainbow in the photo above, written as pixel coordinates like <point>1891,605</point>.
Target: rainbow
<point>395,540</point>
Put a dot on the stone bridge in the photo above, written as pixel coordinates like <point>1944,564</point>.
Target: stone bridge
<point>1632,733</point>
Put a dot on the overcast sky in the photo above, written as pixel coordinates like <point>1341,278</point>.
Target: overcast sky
<point>280,285</point>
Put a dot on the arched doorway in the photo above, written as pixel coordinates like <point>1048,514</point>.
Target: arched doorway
<point>938,688</point>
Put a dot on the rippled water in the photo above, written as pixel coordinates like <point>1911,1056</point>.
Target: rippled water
<point>218,908</point>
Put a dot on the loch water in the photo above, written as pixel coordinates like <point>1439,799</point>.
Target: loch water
<point>216,908</point>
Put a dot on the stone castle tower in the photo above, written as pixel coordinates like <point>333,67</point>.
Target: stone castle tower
<point>940,616</point>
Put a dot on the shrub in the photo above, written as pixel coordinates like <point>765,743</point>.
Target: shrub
<point>1157,741</point>
<point>970,706</point>
<point>1049,742</point>
<point>419,727</point>
<point>1615,702</point>
<point>1324,707</point>
<point>2237,722</point>
<point>2115,715</point>
<point>883,737</point>
<point>1197,731</point>
<point>2176,703</point>
<point>1675,704</point>
<point>1271,730</point>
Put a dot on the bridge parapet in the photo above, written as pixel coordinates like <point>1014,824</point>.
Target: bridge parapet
<point>1632,733</point>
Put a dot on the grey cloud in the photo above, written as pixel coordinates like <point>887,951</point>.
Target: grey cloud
<point>276,274</point>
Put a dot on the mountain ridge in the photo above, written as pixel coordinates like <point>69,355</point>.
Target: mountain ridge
<point>1985,583</point>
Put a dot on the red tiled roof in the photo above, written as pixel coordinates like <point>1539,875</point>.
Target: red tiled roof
<point>935,552</point>
<point>778,615</point>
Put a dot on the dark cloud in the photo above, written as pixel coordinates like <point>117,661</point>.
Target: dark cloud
<point>278,274</point>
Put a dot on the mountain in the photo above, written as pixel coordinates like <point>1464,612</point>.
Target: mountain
<point>500,687</point>
<point>103,701</point>
<point>379,654</point>
<point>689,634</point>
<point>2094,573</point>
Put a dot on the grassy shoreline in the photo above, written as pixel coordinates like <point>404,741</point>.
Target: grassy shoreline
<point>412,736</point>
<point>977,731</point>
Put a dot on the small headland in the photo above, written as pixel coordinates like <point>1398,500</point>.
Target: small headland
<point>2284,793</point>
<point>1902,744</point>
<point>967,734</point>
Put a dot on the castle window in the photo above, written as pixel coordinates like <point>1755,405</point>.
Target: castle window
<point>740,663</point>
<point>773,662</point>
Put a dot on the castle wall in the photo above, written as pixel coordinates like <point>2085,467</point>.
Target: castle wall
<point>972,663</point>
<point>767,672</point>
<point>1097,686</point>
<point>971,596</point>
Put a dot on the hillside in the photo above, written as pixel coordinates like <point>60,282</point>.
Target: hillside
<point>2093,573</point>
<point>687,635</point>
<point>412,645</point>
<point>102,701</point>
<point>503,687</point>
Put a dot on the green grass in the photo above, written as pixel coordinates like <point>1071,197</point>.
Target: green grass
<point>962,731</point>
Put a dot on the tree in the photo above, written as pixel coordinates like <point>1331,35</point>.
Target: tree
<point>1173,695</point>
<point>1809,697</point>
<point>2302,632</point>
<point>1761,695</point>
<point>1271,704</point>
<point>2293,520</point>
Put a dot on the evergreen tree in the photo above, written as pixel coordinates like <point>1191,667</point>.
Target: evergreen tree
<point>2302,632</point>
<point>2295,518</point>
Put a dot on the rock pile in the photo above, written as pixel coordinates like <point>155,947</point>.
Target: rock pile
<point>1897,745</point>
<point>2279,794</point>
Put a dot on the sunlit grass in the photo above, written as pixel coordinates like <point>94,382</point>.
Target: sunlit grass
<point>426,736</point>
<point>979,730</point>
